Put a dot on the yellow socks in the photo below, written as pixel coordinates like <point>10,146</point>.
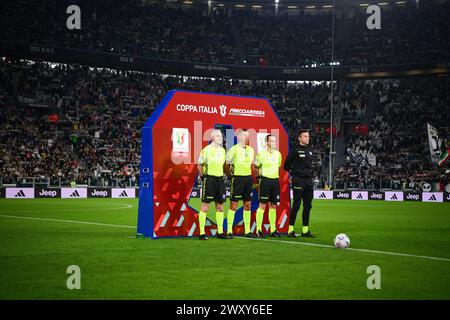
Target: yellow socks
<point>202,221</point>
<point>247,220</point>
<point>259,219</point>
<point>219,222</point>
<point>230,220</point>
<point>273,219</point>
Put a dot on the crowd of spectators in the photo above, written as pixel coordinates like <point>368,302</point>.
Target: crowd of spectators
<point>409,33</point>
<point>292,40</point>
<point>96,136</point>
<point>396,150</point>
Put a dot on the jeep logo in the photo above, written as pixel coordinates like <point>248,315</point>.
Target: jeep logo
<point>378,196</point>
<point>99,193</point>
<point>48,193</point>
<point>342,195</point>
<point>411,196</point>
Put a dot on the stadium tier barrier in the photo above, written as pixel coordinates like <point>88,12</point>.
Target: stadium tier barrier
<point>361,195</point>
<point>107,60</point>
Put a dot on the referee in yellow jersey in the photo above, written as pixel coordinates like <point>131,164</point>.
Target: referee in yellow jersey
<point>268,162</point>
<point>239,166</point>
<point>211,168</point>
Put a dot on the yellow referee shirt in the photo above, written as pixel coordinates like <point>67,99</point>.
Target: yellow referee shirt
<point>212,159</point>
<point>269,163</point>
<point>241,160</point>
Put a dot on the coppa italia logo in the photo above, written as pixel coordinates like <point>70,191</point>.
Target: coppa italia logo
<point>180,137</point>
<point>222,110</point>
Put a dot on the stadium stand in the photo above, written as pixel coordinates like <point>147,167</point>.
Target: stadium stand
<point>71,122</point>
<point>409,34</point>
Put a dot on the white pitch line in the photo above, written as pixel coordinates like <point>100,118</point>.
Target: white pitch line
<point>350,249</point>
<point>68,221</point>
<point>128,206</point>
<point>256,239</point>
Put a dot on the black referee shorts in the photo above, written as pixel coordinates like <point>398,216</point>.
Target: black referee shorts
<point>269,190</point>
<point>241,188</point>
<point>213,189</point>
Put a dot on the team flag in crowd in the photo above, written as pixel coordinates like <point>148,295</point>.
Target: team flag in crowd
<point>356,158</point>
<point>439,148</point>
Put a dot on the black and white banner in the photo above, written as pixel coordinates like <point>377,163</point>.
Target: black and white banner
<point>376,195</point>
<point>412,196</point>
<point>99,193</point>
<point>343,195</point>
<point>325,195</point>
<point>432,197</point>
<point>446,197</point>
<point>81,193</point>
<point>19,193</point>
<point>47,193</point>
<point>123,193</point>
<point>360,195</point>
<point>67,193</point>
<point>393,196</point>
<point>73,193</point>
<point>436,144</point>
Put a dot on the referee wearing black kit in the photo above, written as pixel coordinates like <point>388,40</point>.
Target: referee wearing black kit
<point>299,163</point>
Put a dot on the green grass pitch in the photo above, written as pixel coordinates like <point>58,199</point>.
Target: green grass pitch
<point>40,238</point>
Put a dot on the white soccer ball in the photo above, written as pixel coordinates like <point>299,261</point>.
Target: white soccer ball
<point>342,241</point>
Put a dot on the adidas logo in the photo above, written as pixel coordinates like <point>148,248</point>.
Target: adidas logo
<point>322,195</point>
<point>123,194</point>
<point>75,194</point>
<point>20,194</point>
<point>394,197</point>
<point>359,196</point>
<point>432,198</point>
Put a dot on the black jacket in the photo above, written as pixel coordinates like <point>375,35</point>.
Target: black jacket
<point>299,163</point>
